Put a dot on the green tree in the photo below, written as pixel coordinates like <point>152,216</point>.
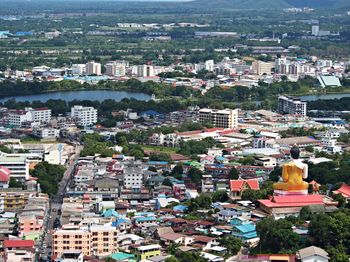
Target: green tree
<point>220,196</point>
<point>234,173</point>
<point>195,175</point>
<point>277,236</point>
<point>233,244</point>
<point>14,183</point>
<point>167,182</point>
<point>305,213</point>
<point>275,174</point>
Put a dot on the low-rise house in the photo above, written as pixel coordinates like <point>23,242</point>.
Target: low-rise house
<point>312,254</point>
<point>238,186</point>
<point>344,190</point>
<point>19,250</point>
<point>245,231</point>
<point>145,251</point>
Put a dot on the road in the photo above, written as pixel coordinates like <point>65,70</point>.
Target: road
<point>55,205</point>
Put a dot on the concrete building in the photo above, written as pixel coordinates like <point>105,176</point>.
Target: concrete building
<point>133,177</point>
<point>17,118</point>
<point>315,29</point>
<point>96,240</point>
<point>79,69</point>
<point>18,165</point>
<point>227,118</point>
<point>114,68</point>
<point>46,133</point>
<point>93,68</point>
<point>84,116</point>
<point>19,250</point>
<point>145,71</point>
<point>312,254</point>
<point>261,68</point>
<point>291,105</point>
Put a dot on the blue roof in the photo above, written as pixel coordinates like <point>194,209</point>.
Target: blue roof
<point>142,219</point>
<point>180,208</point>
<point>120,221</point>
<point>150,113</point>
<point>110,213</point>
<point>157,162</point>
<point>245,228</point>
<point>120,256</point>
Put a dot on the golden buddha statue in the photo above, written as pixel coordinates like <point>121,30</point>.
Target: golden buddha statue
<point>293,174</point>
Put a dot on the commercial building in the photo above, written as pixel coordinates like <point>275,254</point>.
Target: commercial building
<point>84,116</point>
<point>46,133</point>
<point>291,105</point>
<point>93,68</point>
<point>227,118</point>
<point>18,165</point>
<point>96,240</point>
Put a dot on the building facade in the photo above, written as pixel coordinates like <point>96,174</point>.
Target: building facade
<point>84,116</point>
<point>291,105</point>
<point>227,118</point>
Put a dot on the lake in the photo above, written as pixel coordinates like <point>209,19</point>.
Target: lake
<point>98,95</point>
<point>323,96</point>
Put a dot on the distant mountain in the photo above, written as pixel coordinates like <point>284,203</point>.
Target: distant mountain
<point>271,4</point>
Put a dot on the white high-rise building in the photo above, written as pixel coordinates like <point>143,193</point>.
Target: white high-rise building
<point>93,68</point>
<point>291,105</point>
<point>209,65</point>
<point>226,118</point>
<point>145,71</point>
<point>17,117</point>
<point>78,69</point>
<point>84,116</point>
<point>115,69</point>
<point>315,30</point>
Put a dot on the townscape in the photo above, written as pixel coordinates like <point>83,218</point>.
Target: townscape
<point>165,138</point>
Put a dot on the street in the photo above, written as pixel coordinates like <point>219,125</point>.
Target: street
<point>45,248</point>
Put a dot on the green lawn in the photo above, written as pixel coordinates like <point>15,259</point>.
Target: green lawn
<point>164,149</point>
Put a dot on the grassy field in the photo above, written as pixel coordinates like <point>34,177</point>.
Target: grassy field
<point>169,150</point>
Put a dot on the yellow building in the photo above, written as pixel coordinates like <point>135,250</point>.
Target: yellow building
<point>145,252</point>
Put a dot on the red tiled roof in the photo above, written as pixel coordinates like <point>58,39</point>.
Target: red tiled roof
<point>344,190</point>
<point>237,185</point>
<point>4,174</point>
<point>199,238</point>
<point>18,243</point>
<point>293,201</point>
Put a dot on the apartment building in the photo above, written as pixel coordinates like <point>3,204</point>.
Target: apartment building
<point>291,105</point>
<point>93,68</point>
<point>133,177</point>
<point>14,199</point>
<point>94,240</point>
<point>46,133</point>
<point>78,69</point>
<point>17,118</point>
<point>227,118</point>
<point>261,68</point>
<point>116,69</point>
<point>84,116</point>
<point>145,71</point>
